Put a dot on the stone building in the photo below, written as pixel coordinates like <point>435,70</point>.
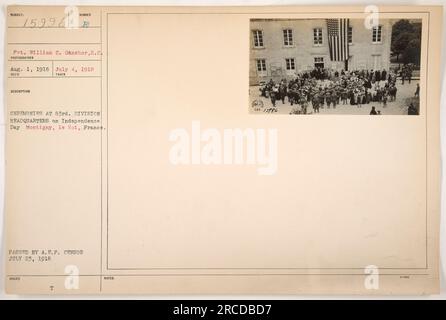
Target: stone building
<point>283,48</point>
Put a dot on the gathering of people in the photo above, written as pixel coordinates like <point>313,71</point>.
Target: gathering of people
<point>405,73</point>
<point>325,88</point>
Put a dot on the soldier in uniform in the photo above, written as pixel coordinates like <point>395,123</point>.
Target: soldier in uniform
<point>282,92</point>
<point>412,110</point>
<point>315,102</point>
<point>303,103</point>
<point>274,94</point>
<point>384,98</point>
<point>417,91</point>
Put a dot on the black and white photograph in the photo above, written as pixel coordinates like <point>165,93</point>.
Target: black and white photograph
<point>335,66</point>
<point>242,151</point>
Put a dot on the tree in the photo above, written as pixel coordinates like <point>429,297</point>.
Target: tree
<point>412,52</point>
<point>406,41</point>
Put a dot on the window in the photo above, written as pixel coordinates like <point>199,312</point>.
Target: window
<point>317,36</point>
<point>290,65</point>
<point>258,38</point>
<point>261,65</point>
<point>350,35</point>
<point>287,37</point>
<point>376,34</point>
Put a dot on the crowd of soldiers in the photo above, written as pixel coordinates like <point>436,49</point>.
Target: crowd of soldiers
<point>406,73</point>
<point>324,88</point>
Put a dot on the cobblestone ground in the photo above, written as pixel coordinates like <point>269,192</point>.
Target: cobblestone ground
<point>259,104</point>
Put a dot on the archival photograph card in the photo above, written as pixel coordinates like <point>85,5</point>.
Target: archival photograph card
<point>222,150</point>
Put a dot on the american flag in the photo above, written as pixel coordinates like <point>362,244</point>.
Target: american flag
<point>338,39</point>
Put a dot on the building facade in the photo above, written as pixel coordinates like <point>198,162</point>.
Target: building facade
<point>282,48</point>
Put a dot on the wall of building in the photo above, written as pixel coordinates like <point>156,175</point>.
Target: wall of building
<point>363,50</point>
<point>363,53</point>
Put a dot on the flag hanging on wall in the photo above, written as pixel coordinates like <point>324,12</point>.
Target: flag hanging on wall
<point>338,39</point>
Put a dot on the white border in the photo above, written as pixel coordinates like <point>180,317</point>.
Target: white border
<point>4,3</point>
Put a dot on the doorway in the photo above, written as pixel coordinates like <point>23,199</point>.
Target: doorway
<point>319,62</point>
